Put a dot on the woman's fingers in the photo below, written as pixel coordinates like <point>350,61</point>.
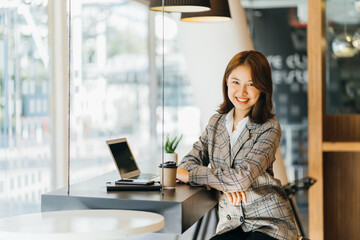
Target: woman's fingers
<point>238,198</point>
<point>234,197</point>
<point>243,194</point>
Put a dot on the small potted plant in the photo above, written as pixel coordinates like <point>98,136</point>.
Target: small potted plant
<point>170,147</point>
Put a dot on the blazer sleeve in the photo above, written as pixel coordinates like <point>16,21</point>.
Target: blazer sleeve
<point>241,176</point>
<point>198,155</point>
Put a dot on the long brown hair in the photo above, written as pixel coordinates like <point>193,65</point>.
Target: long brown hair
<point>261,76</point>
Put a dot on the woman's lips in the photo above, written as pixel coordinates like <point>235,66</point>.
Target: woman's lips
<point>242,100</point>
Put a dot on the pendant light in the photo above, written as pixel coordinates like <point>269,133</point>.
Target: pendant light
<point>342,45</point>
<point>219,12</point>
<point>180,5</point>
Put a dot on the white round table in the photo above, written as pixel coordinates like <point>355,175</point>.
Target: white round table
<point>80,224</point>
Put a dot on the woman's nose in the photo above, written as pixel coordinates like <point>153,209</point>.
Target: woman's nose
<point>242,89</point>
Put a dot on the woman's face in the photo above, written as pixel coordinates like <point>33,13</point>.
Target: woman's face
<point>241,90</point>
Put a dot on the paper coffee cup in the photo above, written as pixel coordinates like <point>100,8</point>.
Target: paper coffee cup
<point>169,174</point>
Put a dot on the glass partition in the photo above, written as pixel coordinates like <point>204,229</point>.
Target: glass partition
<point>342,57</point>
<point>114,94</point>
<point>110,82</point>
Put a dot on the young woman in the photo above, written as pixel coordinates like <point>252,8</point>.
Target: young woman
<point>240,143</point>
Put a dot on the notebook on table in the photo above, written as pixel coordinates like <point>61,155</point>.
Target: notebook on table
<point>112,186</point>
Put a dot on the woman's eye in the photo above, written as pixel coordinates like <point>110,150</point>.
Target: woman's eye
<point>250,84</point>
<point>235,82</point>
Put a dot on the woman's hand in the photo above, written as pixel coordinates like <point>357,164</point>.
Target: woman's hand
<point>236,197</point>
<point>182,174</point>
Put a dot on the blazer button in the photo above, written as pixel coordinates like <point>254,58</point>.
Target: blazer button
<point>228,217</point>
<point>241,219</point>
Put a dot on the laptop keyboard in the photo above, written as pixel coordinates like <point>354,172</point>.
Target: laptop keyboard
<point>145,176</point>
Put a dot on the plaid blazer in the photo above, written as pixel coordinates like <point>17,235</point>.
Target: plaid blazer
<point>246,167</point>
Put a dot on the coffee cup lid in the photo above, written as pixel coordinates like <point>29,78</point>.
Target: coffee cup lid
<point>169,164</point>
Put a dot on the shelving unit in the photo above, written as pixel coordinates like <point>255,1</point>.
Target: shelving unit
<point>334,147</point>
<point>341,147</point>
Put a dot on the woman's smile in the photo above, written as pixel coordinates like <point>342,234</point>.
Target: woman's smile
<point>242,100</point>
<point>241,90</point>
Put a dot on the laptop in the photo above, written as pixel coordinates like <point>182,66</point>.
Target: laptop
<point>125,161</point>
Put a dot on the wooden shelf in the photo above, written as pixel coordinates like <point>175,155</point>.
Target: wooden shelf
<point>341,146</point>
<point>332,200</point>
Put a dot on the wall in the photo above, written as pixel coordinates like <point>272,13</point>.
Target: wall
<point>208,47</point>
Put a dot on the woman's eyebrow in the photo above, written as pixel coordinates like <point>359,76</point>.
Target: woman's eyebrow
<point>238,79</point>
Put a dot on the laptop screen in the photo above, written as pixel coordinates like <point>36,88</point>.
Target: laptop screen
<point>123,157</point>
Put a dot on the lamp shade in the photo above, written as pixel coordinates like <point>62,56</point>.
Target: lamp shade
<point>219,12</point>
<point>180,5</point>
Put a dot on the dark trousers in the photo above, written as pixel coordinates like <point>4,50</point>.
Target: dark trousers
<point>238,234</point>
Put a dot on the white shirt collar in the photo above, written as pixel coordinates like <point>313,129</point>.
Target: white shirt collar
<point>234,135</point>
<point>230,121</point>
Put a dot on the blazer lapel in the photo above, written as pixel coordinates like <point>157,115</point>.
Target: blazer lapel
<point>244,136</point>
<point>224,141</point>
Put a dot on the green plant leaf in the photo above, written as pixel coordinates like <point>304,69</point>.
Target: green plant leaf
<point>177,143</point>
<point>172,144</point>
<point>167,139</point>
<point>167,144</point>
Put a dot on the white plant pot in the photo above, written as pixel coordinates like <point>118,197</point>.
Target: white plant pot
<point>171,157</point>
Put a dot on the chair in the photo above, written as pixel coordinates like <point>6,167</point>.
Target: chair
<point>292,188</point>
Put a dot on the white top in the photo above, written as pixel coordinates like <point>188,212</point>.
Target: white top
<point>234,135</point>
<point>80,224</point>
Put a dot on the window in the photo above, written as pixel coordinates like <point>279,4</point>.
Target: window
<point>110,82</point>
<point>24,140</point>
<point>115,92</point>
<point>114,95</point>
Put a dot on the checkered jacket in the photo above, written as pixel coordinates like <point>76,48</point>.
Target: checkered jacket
<point>246,167</point>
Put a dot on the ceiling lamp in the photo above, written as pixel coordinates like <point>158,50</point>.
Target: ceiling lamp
<point>343,46</point>
<point>219,12</point>
<point>180,5</point>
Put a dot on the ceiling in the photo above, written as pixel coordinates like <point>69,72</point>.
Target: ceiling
<point>339,11</point>
<point>272,3</point>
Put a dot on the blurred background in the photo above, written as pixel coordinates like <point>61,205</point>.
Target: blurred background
<point>116,66</point>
